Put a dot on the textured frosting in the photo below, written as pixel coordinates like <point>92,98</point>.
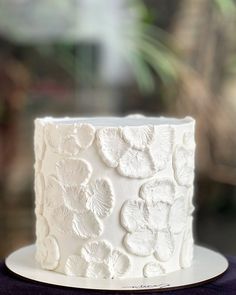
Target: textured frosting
<point>114,195</point>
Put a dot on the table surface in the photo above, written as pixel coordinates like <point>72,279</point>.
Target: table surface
<point>13,284</point>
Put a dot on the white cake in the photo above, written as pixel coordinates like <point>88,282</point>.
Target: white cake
<point>114,195</point>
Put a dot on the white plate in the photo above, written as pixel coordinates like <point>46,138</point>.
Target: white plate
<point>207,265</point>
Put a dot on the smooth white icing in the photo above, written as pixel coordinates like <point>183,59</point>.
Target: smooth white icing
<point>114,195</point>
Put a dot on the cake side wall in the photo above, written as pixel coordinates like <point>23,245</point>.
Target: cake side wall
<point>132,207</point>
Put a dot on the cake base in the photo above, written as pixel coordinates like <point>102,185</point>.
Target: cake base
<point>207,265</point>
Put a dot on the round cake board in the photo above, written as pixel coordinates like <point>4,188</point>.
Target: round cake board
<point>206,266</point>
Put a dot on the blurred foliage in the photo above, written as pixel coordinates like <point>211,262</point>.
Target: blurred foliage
<point>145,47</point>
<point>226,7</point>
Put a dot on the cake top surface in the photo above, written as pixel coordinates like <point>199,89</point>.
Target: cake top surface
<point>118,121</point>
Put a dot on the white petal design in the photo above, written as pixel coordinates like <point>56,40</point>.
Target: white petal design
<point>111,146</point>
<point>85,134</point>
<point>39,143</point>
<point>100,199</point>
<point>39,187</point>
<point>72,172</point>
<point>96,251</point>
<point>98,270</point>
<point>157,190</point>
<point>183,164</point>
<point>138,137</point>
<point>62,139</point>
<point>53,193</point>
<point>158,214</point>
<point>186,254</point>
<point>165,246</point>
<point>86,225</point>
<point>161,146</point>
<point>48,254</point>
<point>69,146</point>
<point>178,216</point>
<point>120,263</point>
<point>134,215</point>
<point>74,198</point>
<point>42,228</point>
<point>136,164</point>
<point>76,266</point>
<point>153,269</point>
<point>141,242</point>
<point>61,219</point>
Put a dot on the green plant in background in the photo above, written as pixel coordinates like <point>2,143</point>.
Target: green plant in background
<point>226,7</point>
<point>143,46</point>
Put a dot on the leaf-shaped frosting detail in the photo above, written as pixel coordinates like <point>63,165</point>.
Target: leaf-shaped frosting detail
<point>138,136</point>
<point>134,215</point>
<point>111,146</point>
<point>48,254</point>
<point>76,266</point>
<point>178,216</point>
<point>42,228</point>
<point>53,193</point>
<point>183,164</point>
<point>158,214</point>
<point>136,164</point>
<point>100,199</point>
<point>153,269</point>
<point>141,242</point>
<point>86,225</point>
<point>165,246</point>
<point>74,198</point>
<point>96,251</point>
<point>73,172</point>
<point>161,146</point>
<point>98,270</point>
<point>120,263</point>
<point>85,134</point>
<point>186,254</point>
<point>158,190</point>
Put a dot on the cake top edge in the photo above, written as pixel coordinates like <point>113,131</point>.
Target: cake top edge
<point>117,121</point>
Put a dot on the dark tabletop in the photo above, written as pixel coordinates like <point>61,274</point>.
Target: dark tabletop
<point>12,284</point>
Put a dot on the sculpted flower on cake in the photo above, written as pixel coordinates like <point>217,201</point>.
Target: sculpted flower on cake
<point>48,254</point>
<point>153,219</point>
<point>98,259</point>
<point>74,203</point>
<point>135,151</point>
<point>69,139</point>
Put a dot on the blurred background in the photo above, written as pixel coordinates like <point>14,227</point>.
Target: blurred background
<point>97,57</point>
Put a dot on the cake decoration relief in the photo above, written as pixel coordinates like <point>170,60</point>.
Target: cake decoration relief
<point>48,254</point>
<point>75,204</point>
<point>153,269</point>
<point>98,259</point>
<point>151,221</point>
<point>183,164</point>
<point>69,139</point>
<point>114,195</point>
<point>136,152</point>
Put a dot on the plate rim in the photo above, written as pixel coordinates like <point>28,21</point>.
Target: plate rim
<point>128,289</point>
